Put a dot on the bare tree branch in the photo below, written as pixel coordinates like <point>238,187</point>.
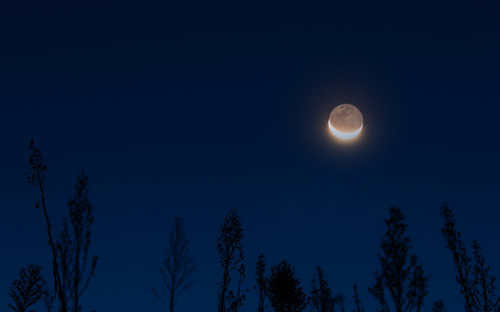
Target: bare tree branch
<point>230,251</point>
<point>177,267</point>
<point>399,271</point>
<point>28,289</point>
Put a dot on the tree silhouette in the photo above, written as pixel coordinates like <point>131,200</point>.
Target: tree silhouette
<point>261,282</point>
<point>72,268</point>
<point>237,298</point>
<point>358,306</point>
<point>399,271</point>
<point>37,178</point>
<point>477,285</point>
<point>285,292</point>
<point>463,263</point>
<point>177,267</point>
<point>78,244</point>
<point>230,251</point>
<point>400,285</point>
<point>28,289</point>
<point>487,300</point>
<point>322,299</point>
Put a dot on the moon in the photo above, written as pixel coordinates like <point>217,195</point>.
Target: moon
<point>345,122</point>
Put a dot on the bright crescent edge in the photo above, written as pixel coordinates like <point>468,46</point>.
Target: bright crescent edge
<point>344,135</point>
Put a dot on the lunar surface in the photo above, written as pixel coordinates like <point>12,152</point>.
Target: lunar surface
<point>345,122</point>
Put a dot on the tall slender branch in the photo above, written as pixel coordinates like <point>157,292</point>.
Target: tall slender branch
<point>37,177</point>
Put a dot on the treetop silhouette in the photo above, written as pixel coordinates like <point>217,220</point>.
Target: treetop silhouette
<point>399,273</point>
<point>72,267</point>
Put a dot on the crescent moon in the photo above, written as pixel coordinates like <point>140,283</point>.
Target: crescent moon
<point>345,136</point>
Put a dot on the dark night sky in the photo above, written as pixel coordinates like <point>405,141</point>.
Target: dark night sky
<point>192,110</point>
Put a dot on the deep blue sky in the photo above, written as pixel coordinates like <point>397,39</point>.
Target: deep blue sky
<point>192,110</point>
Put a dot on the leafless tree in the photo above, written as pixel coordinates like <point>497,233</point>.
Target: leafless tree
<point>28,289</point>
<point>322,299</point>
<point>230,251</point>
<point>237,297</point>
<point>72,268</point>
<point>461,259</point>
<point>477,284</point>
<point>484,281</point>
<point>399,271</point>
<point>285,291</point>
<point>358,307</point>
<point>261,282</point>
<point>37,178</point>
<point>177,267</point>
<point>81,220</point>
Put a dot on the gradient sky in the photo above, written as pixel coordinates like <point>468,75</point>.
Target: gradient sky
<point>194,109</point>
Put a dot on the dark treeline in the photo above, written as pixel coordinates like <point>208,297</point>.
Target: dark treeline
<point>400,284</point>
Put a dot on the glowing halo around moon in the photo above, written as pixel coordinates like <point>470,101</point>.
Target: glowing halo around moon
<point>345,122</point>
